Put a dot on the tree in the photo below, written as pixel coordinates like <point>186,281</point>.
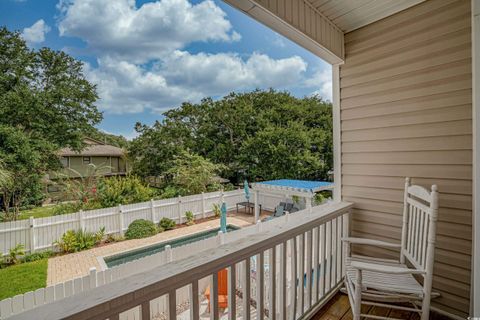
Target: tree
<point>46,104</point>
<point>192,174</point>
<point>238,132</point>
<point>282,152</point>
<point>45,93</point>
<point>5,175</point>
<point>27,160</point>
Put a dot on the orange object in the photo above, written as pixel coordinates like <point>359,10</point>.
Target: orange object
<point>222,290</point>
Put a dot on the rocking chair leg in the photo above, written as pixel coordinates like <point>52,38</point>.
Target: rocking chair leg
<point>357,301</point>
<point>425,309</point>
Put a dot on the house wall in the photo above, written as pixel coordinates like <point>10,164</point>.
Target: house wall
<point>103,163</point>
<point>406,110</point>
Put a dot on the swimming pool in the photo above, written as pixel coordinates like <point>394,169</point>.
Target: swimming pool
<point>135,254</point>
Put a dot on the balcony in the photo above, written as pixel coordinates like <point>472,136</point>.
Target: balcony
<point>279,255</point>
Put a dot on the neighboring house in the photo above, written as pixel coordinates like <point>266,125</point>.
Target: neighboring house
<point>109,160</point>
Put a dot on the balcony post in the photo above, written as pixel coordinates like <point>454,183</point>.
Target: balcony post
<point>255,199</point>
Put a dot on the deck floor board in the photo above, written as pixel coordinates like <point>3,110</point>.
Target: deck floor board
<point>338,308</point>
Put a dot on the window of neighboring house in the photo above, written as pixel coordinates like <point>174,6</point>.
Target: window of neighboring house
<point>86,160</point>
<point>53,188</point>
<point>65,162</point>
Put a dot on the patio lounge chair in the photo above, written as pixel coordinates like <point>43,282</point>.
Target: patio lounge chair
<point>383,282</point>
<point>279,211</point>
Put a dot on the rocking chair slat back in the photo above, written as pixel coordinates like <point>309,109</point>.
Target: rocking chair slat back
<point>420,214</point>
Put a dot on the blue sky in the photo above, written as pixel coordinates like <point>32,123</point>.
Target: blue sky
<point>149,56</point>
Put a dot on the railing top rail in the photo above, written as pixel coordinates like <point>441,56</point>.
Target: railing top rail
<point>119,296</point>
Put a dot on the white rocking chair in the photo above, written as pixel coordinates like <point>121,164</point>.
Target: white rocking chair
<point>383,282</point>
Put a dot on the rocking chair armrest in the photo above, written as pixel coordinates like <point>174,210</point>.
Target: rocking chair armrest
<point>371,242</point>
<point>383,268</point>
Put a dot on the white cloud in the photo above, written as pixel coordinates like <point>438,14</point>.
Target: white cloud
<point>125,87</point>
<point>142,62</point>
<point>36,33</point>
<point>321,79</point>
<point>121,30</point>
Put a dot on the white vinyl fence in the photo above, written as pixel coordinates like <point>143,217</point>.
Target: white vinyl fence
<point>41,233</point>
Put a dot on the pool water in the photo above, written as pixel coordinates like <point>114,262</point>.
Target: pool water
<point>128,256</point>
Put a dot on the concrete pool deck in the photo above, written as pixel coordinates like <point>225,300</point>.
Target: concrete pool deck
<point>74,265</point>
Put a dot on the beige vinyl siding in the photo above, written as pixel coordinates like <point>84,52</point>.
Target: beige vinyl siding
<point>406,110</point>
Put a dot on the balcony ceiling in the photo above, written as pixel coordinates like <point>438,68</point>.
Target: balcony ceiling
<point>349,15</point>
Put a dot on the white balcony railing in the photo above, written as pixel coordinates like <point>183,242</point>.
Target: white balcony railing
<point>298,266</point>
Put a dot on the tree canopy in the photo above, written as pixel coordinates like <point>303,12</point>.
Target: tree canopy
<point>256,135</point>
<point>46,103</point>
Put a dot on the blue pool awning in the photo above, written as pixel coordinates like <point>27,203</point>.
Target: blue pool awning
<point>297,186</point>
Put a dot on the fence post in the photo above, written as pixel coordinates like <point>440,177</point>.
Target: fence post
<point>168,251</point>
<point>152,210</point>
<point>82,220</point>
<point>32,235</point>
<point>179,209</point>
<point>120,218</point>
<point>203,205</point>
<point>93,277</point>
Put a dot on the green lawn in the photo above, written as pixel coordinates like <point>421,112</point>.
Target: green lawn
<point>23,278</point>
<point>38,212</point>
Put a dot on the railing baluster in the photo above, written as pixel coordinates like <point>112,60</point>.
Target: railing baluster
<point>232,293</point>
<point>321,277</point>
<point>308,297</point>
<point>260,285</point>
<point>273,283</point>
<point>246,290</point>
<point>145,310</point>
<point>172,304</point>
<point>194,305</point>
<point>114,317</point>
<point>333,266</point>
<point>284,281</point>
<point>315,258</point>
<point>214,296</point>
<point>345,246</point>
<point>339,250</point>
<point>328,256</point>
<point>301,275</point>
<point>294,285</point>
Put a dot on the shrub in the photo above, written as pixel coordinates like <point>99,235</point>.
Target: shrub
<point>74,241</point>
<point>37,256</point>
<point>190,218</point>
<point>65,208</point>
<point>15,253</point>
<point>216,209</point>
<point>167,224</point>
<point>122,190</point>
<point>141,229</point>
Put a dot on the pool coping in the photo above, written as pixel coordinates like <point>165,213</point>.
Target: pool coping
<point>104,266</point>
